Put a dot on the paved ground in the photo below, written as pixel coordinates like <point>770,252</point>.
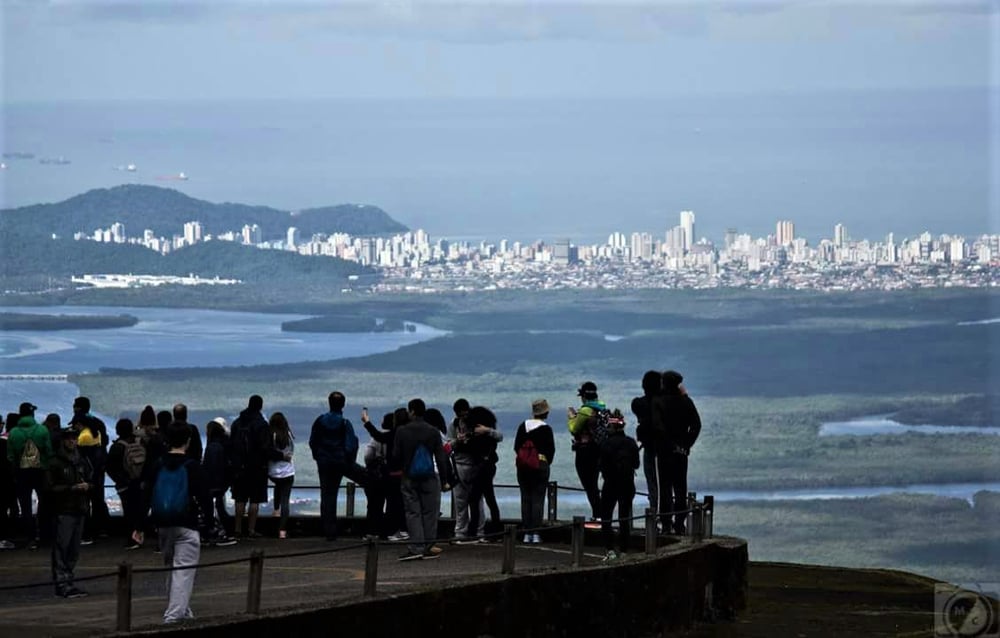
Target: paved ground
<point>320,575</point>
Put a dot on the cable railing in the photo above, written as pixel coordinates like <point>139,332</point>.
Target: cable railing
<point>699,516</point>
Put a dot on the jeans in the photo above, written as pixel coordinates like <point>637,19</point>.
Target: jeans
<point>422,503</point>
<point>621,494</point>
<point>533,484</point>
<point>480,488</point>
<point>329,488</point>
<point>132,501</point>
<point>66,549</point>
<point>181,547</point>
<point>282,496</point>
<point>587,457</point>
<point>673,469</point>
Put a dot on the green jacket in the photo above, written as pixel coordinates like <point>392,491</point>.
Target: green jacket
<point>28,428</point>
<point>579,424</point>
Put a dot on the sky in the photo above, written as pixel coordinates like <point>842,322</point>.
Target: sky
<point>156,49</point>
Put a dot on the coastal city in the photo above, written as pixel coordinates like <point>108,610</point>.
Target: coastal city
<point>415,262</point>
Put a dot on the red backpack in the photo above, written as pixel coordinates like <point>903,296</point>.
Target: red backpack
<point>527,456</point>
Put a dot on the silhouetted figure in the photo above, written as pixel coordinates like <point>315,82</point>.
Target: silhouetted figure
<point>676,425</point>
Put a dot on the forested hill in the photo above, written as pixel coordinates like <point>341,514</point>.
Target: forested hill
<point>165,211</point>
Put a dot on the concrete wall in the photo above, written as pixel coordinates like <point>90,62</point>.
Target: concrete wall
<point>637,597</point>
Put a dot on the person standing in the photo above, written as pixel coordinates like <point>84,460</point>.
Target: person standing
<point>459,435</point>
<point>619,459</point>
<point>417,448</point>
<point>252,449</point>
<point>534,450</point>
<point>179,496</point>
<point>126,464</point>
<point>642,408</point>
<point>195,448</point>
<point>68,483</point>
<point>218,472</point>
<point>29,449</point>
<point>282,472</point>
<point>334,447</point>
<point>92,443</point>
<point>581,424</point>
<point>676,426</point>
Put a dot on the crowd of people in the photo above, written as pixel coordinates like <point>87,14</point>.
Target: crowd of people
<point>170,485</point>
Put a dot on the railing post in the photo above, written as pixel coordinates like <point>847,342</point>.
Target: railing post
<point>509,536</point>
<point>352,489</point>
<point>124,594</point>
<point>689,519</point>
<point>709,516</point>
<point>256,580</point>
<point>650,531</point>
<point>553,501</point>
<point>576,550</point>
<point>371,568</point>
<point>698,523</point>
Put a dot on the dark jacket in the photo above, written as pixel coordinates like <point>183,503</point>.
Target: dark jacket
<point>215,465</point>
<point>116,464</point>
<point>415,433</point>
<point>642,408</point>
<point>199,502</point>
<point>388,439</point>
<point>329,439</point>
<point>156,447</point>
<point>252,443</point>
<point>63,473</point>
<point>194,449</point>
<point>540,434</point>
<point>619,458</point>
<point>676,423</point>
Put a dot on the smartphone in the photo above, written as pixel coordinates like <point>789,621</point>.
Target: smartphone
<point>364,413</point>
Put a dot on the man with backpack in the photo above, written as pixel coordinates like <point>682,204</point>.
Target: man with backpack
<point>334,447</point>
<point>178,496</point>
<point>253,447</point>
<point>588,425</point>
<point>619,458</point>
<point>417,447</point>
<point>126,462</point>
<point>29,448</point>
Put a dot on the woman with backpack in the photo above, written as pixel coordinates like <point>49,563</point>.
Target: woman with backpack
<point>126,462</point>
<point>282,472</point>
<point>534,449</point>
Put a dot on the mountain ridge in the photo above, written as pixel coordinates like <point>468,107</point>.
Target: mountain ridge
<point>166,210</point>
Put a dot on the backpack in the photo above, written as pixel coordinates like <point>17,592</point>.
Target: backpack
<point>170,494</point>
<point>421,465</point>
<point>134,458</point>
<point>31,458</point>
<point>527,456</point>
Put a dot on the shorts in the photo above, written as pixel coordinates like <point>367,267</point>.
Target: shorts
<point>251,485</point>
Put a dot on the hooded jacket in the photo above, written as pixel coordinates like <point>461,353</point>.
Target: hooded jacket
<point>28,428</point>
<point>331,439</point>
<point>66,470</point>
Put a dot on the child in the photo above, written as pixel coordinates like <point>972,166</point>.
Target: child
<point>618,461</point>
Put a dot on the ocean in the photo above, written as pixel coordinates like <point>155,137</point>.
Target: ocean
<point>876,161</point>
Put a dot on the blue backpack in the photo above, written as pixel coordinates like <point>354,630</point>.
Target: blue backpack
<point>421,465</point>
<point>170,494</point>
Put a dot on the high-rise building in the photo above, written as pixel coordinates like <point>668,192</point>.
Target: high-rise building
<point>561,253</point>
<point>118,233</point>
<point>785,233</point>
<point>192,233</point>
<point>687,226</point>
<point>839,235</point>
<point>292,238</point>
<point>251,234</point>
<point>730,238</point>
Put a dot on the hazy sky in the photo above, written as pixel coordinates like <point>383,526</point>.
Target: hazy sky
<point>77,49</point>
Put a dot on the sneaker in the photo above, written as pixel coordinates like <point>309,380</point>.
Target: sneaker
<point>536,539</point>
<point>398,536</point>
<point>83,541</point>
<point>430,555</point>
<point>410,556</point>
<point>528,538</point>
<point>7,545</point>
<point>224,541</point>
<point>73,592</point>
<point>131,544</point>
<point>609,556</point>
<point>594,523</point>
<point>466,541</point>
<point>458,540</point>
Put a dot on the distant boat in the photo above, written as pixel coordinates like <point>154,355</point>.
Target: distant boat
<point>16,155</point>
<point>179,177</point>
<point>131,168</point>
<point>59,161</point>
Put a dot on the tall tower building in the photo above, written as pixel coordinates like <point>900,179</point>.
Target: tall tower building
<point>192,233</point>
<point>687,226</point>
<point>118,232</point>
<point>785,233</point>
<point>292,238</point>
<point>839,235</point>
